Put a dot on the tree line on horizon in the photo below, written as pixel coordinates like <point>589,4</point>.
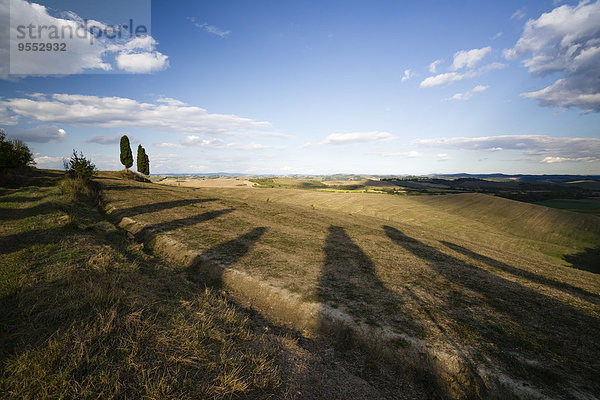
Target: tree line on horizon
<point>143,162</point>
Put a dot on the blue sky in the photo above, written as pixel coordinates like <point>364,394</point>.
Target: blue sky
<point>378,87</point>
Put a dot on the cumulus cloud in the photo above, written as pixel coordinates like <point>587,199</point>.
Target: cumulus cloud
<point>41,134</point>
<point>566,41</point>
<point>117,112</point>
<point>467,95</point>
<point>209,28</point>
<point>542,148</point>
<point>48,162</point>
<point>469,58</point>
<point>139,56</point>
<point>357,137</point>
<point>407,75</point>
<point>85,51</point>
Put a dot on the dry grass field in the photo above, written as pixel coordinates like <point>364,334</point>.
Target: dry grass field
<point>87,312</point>
<point>507,288</point>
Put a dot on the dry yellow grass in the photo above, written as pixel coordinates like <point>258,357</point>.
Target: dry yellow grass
<point>207,183</point>
<point>470,275</point>
<point>88,313</point>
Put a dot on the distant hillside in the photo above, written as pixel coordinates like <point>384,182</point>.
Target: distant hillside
<point>518,218</point>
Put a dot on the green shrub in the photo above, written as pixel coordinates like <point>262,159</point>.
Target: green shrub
<point>79,167</point>
<point>13,153</point>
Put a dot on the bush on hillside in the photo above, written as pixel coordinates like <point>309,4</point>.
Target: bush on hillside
<point>13,153</point>
<point>79,167</point>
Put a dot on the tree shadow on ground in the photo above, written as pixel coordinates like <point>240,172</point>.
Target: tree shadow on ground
<point>562,339</point>
<point>37,210</point>
<point>20,178</point>
<point>209,266</point>
<point>173,224</point>
<point>574,290</point>
<point>19,199</point>
<point>52,310</point>
<point>587,260</point>
<point>348,281</point>
<point>152,207</point>
<point>18,241</point>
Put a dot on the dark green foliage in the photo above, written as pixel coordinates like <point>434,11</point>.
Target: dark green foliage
<point>126,154</point>
<point>143,163</point>
<point>13,153</point>
<point>79,167</point>
<point>140,158</point>
<point>146,164</point>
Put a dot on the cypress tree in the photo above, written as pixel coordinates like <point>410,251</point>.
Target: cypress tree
<point>126,155</point>
<point>141,158</point>
<point>146,164</point>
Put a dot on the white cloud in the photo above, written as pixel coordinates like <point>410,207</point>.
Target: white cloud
<point>48,162</point>
<point>197,141</point>
<point>469,58</point>
<point>41,134</point>
<point>443,79</point>
<point>537,147</point>
<point>496,36</point>
<point>118,112</point>
<point>168,145</point>
<point>170,101</point>
<point>450,77</point>
<point>433,66</point>
<point>209,28</point>
<point>565,40</point>
<point>407,75</point>
<point>443,156</point>
<point>552,160</point>
<point>357,137</point>
<point>142,62</point>
<point>467,95</point>
<point>84,51</point>
<point>409,154</point>
<point>566,93</point>
<point>518,14</point>
<point>257,146</point>
<point>193,140</point>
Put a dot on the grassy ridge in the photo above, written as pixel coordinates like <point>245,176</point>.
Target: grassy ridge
<point>87,313</point>
<point>475,287</point>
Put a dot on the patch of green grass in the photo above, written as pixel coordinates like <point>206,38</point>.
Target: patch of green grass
<point>587,206</point>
